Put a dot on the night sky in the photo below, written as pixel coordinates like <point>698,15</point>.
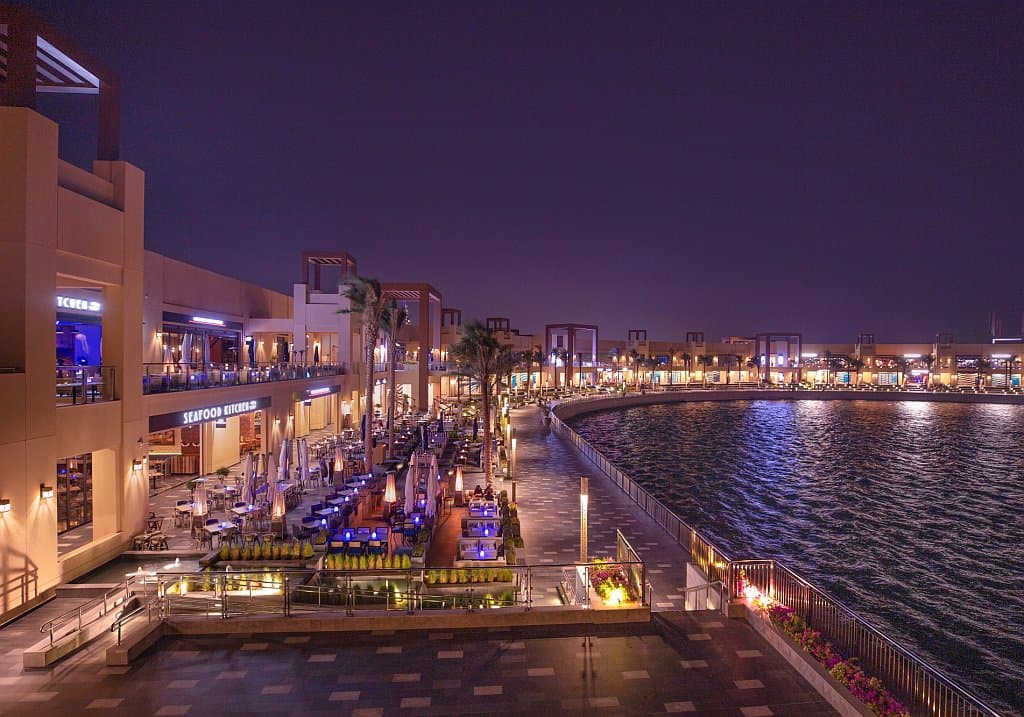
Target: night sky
<point>670,166</point>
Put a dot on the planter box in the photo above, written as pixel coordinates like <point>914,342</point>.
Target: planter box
<point>809,668</point>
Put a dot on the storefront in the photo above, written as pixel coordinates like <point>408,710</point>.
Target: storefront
<point>201,440</point>
<point>74,492</point>
<point>315,409</point>
<point>79,329</point>
<point>201,340</point>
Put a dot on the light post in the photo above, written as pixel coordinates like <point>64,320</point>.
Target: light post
<point>579,358</point>
<point>584,500</point>
<point>513,468</point>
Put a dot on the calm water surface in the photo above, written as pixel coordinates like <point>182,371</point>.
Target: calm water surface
<point>908,512</point>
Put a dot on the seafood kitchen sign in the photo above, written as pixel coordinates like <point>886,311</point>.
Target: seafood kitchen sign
<point>219,412</point>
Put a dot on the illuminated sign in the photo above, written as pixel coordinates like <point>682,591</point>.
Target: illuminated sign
<point>219,412</point>
<point>207,321</point>
<point>69,302</point>
<point>318,392</point>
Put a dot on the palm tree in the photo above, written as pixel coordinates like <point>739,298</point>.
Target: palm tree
<point>395,318</point>
<point>688,364</point>
<point>480,356</point>
<point>856,364</point>
<point>533,356</point>
<point>366,299</point>
<point>983,364</point>
<point>705,360</point>
<point>902,365</point>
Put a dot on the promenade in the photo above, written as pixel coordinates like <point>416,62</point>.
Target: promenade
<point>682,662</point>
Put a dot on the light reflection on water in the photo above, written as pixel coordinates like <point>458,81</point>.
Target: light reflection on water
<point>909,512</point>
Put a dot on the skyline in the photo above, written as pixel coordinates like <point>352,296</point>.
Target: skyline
<point>828,171</point>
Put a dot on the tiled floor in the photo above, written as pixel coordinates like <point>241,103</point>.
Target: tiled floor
<point>693,663</point>
<point>626,670</point>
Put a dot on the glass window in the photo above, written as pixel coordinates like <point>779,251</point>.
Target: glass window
<point>74,492</point>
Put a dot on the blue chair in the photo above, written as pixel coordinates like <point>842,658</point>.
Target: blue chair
<point>376,547</point>
<point>355,549</point>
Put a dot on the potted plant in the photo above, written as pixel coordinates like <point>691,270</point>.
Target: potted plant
<point>223,472</point>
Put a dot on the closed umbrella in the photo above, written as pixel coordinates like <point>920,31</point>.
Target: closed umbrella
<point>247,468</point>
<point>316,353</point>
<point>247,493</point>
<point>272,469</point>
<point>282,461</point>
<point>200,499</point>
<point>411,477</point>
<point>431,489</point>
<point>304,460</point>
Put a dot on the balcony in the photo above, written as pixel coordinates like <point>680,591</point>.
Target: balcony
<point>76,385</point>
<point>168,378</point>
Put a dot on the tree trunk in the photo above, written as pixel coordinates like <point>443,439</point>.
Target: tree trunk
<point>391,402</point>
<point>368,413</point>
<point>486,391</point>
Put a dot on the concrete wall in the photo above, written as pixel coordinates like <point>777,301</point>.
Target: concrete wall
<point>52,236</point>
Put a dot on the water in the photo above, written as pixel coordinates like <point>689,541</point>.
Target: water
<point>910,513</point>
<point>120,567</point>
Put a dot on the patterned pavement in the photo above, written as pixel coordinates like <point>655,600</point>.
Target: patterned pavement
<point>682,662</point>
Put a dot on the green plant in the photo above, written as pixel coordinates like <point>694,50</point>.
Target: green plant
<point>406,562</point>
<point>223,472</point>
<point>224,552</point>
<point>418,552</point>
<point>510,556</point>
<point>307,550</point>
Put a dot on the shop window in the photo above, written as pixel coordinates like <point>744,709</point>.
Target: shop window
<point>74,492</point>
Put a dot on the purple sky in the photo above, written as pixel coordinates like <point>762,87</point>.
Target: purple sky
<point>658,166</point>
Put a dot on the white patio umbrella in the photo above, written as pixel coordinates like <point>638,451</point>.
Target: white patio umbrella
<point>247,484</point>
<point>247,468</point>
<point>304,461</point>
<point>282,462</point>
<point>272,470</point>
<point>200,499</point>
<point>431,485</point>
<point>410,486</point>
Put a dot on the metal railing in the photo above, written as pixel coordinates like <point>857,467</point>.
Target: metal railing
<point>922,688</point>
<point>171,377</point>
<point>293,592</point>
<point>909,676</point>
<point>76,385</point>
<point>74,621</point>
<point>149,607</point>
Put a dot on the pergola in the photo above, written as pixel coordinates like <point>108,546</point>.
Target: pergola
<point>36,58</point>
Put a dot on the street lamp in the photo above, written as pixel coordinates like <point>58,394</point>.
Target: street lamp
<point>579,358</point>
<point>584,500</point>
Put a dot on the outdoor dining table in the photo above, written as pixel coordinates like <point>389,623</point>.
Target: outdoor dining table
<point>243,510</point>
<point>326,512</point>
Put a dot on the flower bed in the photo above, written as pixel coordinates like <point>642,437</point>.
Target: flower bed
<point>610,582</point>
<point>846,671</point>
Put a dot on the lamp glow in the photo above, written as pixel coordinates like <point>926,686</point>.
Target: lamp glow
<point>389,489</point>
<point>45,491</point>
<point>207,321</point>
<point>5,505</point>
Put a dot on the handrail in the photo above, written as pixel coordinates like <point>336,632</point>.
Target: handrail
<point>718,567</point>
<point>124,618</point>
<point>170,377</point>
<point>78,614</point>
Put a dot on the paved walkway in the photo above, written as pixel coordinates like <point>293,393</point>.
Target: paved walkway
<point>614,671</point>
<point>548,488</point>
<point>683,662</point>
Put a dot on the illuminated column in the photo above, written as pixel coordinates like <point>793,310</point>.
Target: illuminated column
<point>584,499</point>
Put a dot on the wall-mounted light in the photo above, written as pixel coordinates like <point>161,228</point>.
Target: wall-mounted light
<point>45,491</point>
<point>5,505</point>
<point>136,465</point>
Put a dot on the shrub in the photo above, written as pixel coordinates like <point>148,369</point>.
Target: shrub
<point>307,550</point>
<point>406,562</point>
